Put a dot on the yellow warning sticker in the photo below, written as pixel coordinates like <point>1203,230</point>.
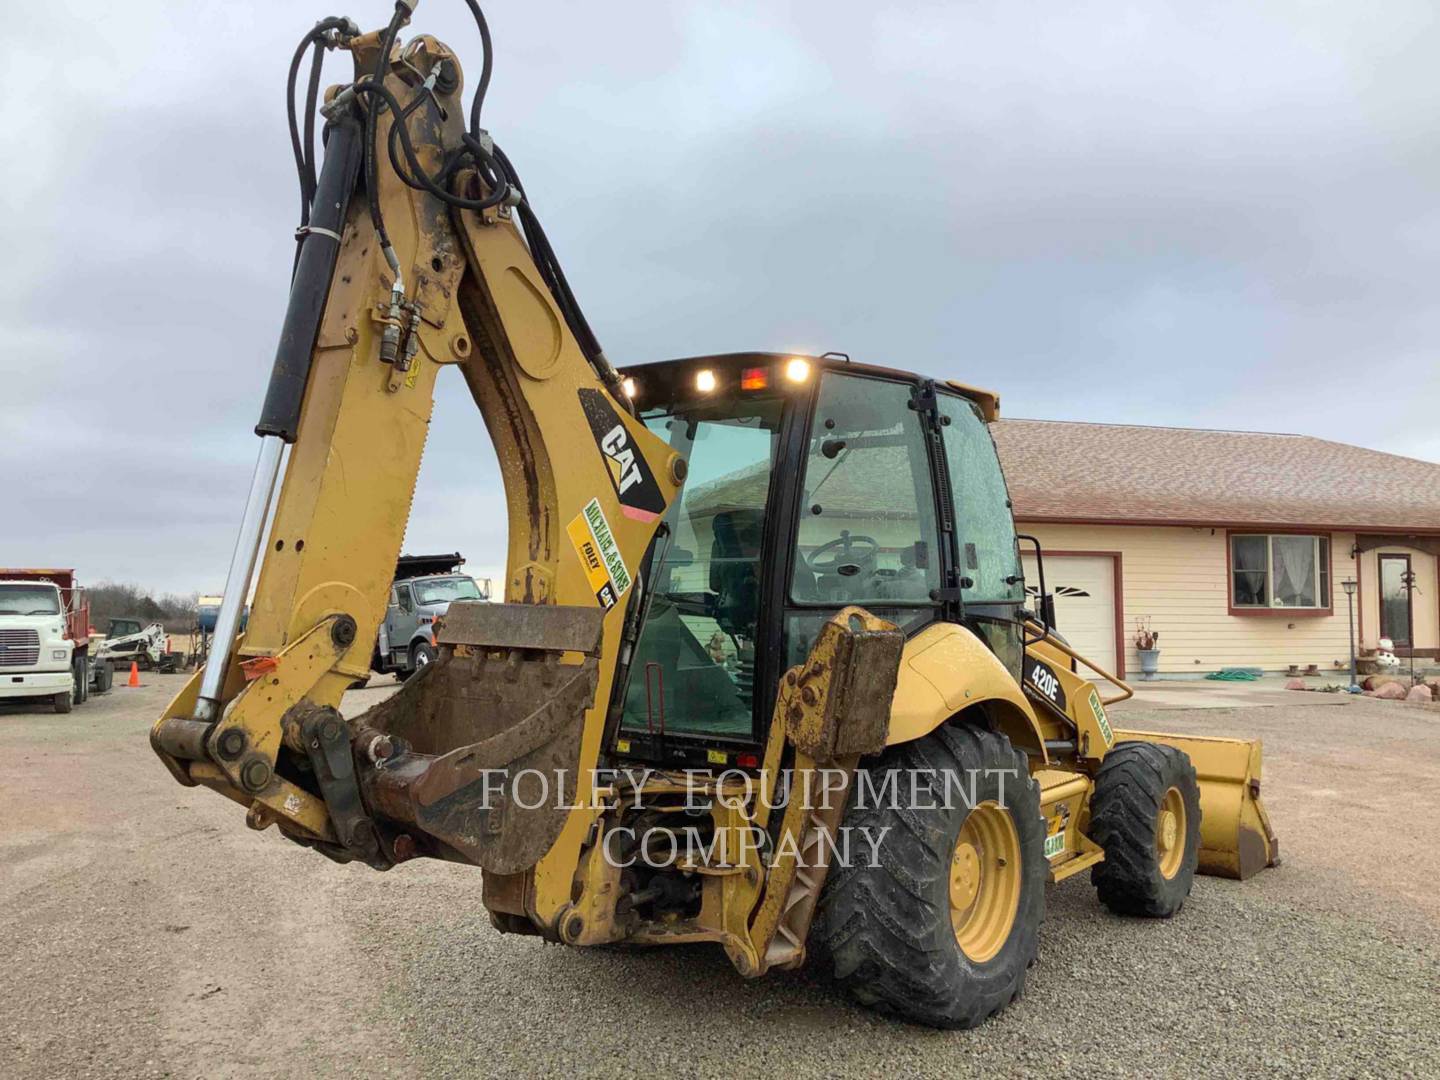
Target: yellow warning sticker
<point>622,746</point>
<point>599,554</point>
<point>716,757</point>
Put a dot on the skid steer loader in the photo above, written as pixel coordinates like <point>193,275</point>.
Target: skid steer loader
<point>763,675</point>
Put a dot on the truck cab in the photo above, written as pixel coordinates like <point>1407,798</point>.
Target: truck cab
<point>424,588</point>
<point>38,635</point>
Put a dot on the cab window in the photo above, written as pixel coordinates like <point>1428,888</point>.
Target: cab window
<point>867,532</point>
<point>989,561</point>
<point>694,665</point>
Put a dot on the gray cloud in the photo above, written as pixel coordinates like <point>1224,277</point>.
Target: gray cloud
<point>1220,215</point>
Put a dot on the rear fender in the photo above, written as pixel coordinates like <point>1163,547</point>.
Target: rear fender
<point>945,668</point>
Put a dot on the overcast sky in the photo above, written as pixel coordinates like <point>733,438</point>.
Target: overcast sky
<point>1211,215</point>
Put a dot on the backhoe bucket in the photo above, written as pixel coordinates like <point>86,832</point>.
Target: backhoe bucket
<point>1236,840</point>
<point>473,743</point>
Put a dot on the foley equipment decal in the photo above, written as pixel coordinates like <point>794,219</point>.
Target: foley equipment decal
<point>1100,718</point>
<point>1054,845</point>
<point>639,494</point>
<point>595,544</point>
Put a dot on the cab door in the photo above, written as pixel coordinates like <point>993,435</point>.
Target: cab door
<point>866,530</point>
<point>987,557</point>
<point>400,623</point>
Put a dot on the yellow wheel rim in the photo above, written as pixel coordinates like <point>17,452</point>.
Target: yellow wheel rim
<point>985,882</point>
<point>1170,833</point>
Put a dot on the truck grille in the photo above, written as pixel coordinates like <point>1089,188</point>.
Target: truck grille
<point>19,648</point>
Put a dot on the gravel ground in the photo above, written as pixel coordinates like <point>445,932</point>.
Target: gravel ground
<point>145,932</point>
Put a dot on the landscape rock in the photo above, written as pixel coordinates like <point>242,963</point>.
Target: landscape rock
<point>1295,684</point>
<point>1390,691</point>
<point>1420,693</point>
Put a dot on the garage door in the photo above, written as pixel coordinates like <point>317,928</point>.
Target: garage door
<point>1084,588</point>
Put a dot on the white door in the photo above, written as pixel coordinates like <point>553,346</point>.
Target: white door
<point>1084,588</point>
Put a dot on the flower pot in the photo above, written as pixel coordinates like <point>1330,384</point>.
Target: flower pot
<point>1149,662</point>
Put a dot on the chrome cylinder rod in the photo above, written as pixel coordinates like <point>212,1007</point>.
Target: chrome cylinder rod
<point>237,581</point>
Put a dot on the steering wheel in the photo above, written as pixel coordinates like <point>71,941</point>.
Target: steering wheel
<point>847,549</point>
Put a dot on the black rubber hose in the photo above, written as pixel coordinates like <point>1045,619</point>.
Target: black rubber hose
<point>372,171</point>
<point>312,98</point>
<point>424,181</point>
<point>478,101</point>
<point>304,152</point>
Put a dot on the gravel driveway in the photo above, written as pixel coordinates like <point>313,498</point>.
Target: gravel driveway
<point>144,931</point>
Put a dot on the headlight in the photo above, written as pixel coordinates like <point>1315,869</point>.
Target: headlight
<point>57,654</point>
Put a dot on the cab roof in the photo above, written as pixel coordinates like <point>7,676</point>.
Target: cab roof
<point>671,371</point>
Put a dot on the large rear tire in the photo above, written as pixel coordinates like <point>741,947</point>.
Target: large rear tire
<point>944,928</point>
<point>1145,813</point>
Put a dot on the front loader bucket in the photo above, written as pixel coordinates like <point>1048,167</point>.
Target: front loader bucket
<point>1236,840</point>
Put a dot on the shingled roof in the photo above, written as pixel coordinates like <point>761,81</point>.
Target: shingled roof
<point>1060,471</point>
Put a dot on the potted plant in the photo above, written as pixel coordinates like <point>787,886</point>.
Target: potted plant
<point>1147,644</point>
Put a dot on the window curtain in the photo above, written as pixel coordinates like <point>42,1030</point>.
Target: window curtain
<point>1294,570</point>
<point>1249,570</point>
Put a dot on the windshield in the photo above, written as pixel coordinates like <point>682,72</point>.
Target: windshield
<point>693,669</point>
<point>444,590</point>
<point>29,600</point>
<point>123,627</point>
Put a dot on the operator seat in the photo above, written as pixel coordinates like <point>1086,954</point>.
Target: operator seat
<point>734,569</point>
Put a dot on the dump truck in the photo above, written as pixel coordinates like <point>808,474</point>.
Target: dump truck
<point>45,639</point>
<point>424,588</point>
<point>764,674</point>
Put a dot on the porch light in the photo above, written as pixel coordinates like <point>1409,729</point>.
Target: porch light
<point>797,370</point>
<point>1349,586</point>
<point>705,380</point>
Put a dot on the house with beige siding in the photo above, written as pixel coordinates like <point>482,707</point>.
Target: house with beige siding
<point>1233,546</point>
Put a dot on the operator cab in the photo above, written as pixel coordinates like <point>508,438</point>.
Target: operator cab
<point>124,626</point>
<point>812,483</point>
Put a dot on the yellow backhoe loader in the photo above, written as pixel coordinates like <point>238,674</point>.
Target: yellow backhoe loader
<point>765,674</point>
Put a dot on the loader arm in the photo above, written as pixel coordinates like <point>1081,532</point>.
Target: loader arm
<point>586,486</point>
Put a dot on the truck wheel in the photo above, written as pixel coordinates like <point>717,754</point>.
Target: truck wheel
<point>1145,813</point>
<point>81,675</point>
<point>104,677</point>
<point>943,930</point>
<point>64,701</point>
<point>422,654</point>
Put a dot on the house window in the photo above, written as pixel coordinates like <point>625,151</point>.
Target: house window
<point>1276,571</point>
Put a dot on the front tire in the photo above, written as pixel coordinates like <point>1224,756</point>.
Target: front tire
<point>422,654</point>
<point>1145,813</point>
<point>64,701</point>
<point>944,928</point>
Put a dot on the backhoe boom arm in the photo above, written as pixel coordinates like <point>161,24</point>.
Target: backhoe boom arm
<point>351,393</point>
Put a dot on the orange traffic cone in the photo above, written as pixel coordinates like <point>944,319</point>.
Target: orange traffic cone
<point>134,674</point>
